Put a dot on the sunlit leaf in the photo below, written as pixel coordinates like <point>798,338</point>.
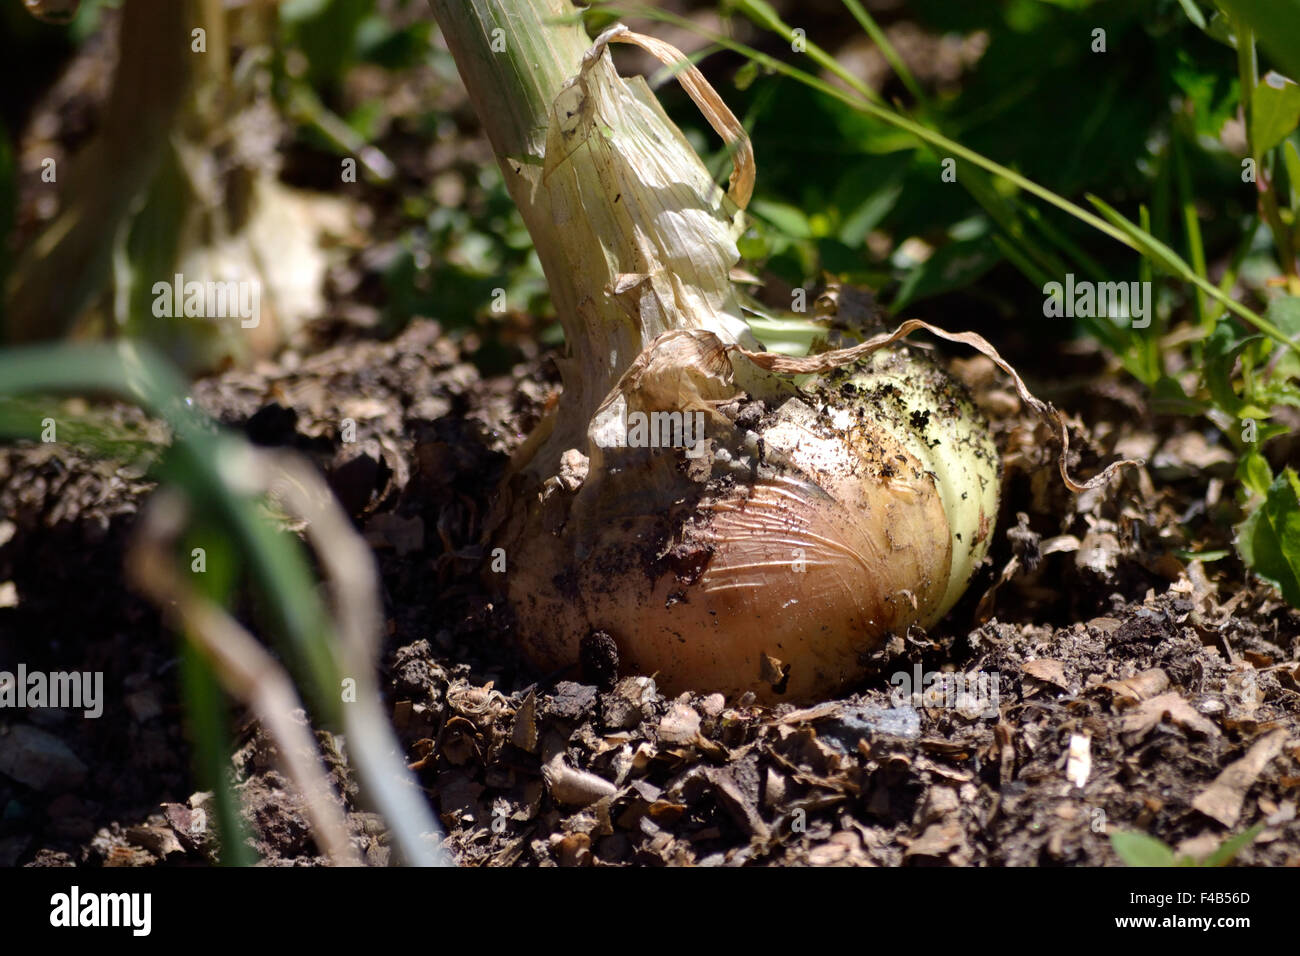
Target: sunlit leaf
<point>1138,849</point>
<point>1274,111</point>
<point>1269,538</point>
<point>1193,12</point>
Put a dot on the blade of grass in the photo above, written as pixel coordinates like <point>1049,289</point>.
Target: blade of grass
<point>1216,309</point>
<point>207,717</point>
<point>1056,237</point>
<point>1191,221</point>
<point>207,708</point>
<point>1162,255</point>
<point>1005,212</point>
<point>1155,364</point>
<point>763,14</point>
<point>868,23</point>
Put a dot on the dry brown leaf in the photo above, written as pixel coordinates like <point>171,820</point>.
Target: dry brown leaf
<point>940,840</point>
<point>1143,719</point>
<point>1045,669</point>
<point>1139,687</point>
<point>524,732</point>
<point>1223,799</point>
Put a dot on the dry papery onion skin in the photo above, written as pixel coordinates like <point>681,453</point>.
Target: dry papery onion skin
<point>780,560</point>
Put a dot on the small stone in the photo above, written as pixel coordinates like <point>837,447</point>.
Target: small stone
<point>40,760</point>
<point>681,725</point>
<point>630,702</point>
<point>143,705</point>
<point>713,705</point>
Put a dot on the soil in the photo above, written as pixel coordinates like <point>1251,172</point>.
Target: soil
<point>1176,680</point>
<point>1138,689</point>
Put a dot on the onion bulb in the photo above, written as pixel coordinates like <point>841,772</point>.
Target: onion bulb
<point>778,554</point>
<point>731,519</point>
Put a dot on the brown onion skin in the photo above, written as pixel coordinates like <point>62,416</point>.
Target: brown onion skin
<point>780,580</point>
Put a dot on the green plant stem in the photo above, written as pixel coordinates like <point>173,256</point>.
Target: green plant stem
<point>514,57</point>
<point>1248,79</point>
<point>633,233</point>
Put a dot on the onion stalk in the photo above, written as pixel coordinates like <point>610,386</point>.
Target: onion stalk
<point>731,523</point>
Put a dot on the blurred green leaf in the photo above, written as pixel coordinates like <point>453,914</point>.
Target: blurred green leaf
<point>744,77</point>
<point>1213,93</point>
<point>785,217</point>
<point>327,31</point>
<point>393,48</point>
<point>1205,557</point>
<point>295,11</point>
<point>865,214</point>
<point>1138,849</point>
<point>1277,26</point>
<point>1229,848</point>
<point>1193,12</point>
<point>1155,250</point>
<point>952,266</point>
<point>1274,111</point>
<point>207,710</point>
<point>1291,159</point>
<point>1269,538</point>
<point>207,719</point>
<point>1284,312</point>
<point>274,560</point>
<point>1254,473</point>
<point>1221,351</point>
